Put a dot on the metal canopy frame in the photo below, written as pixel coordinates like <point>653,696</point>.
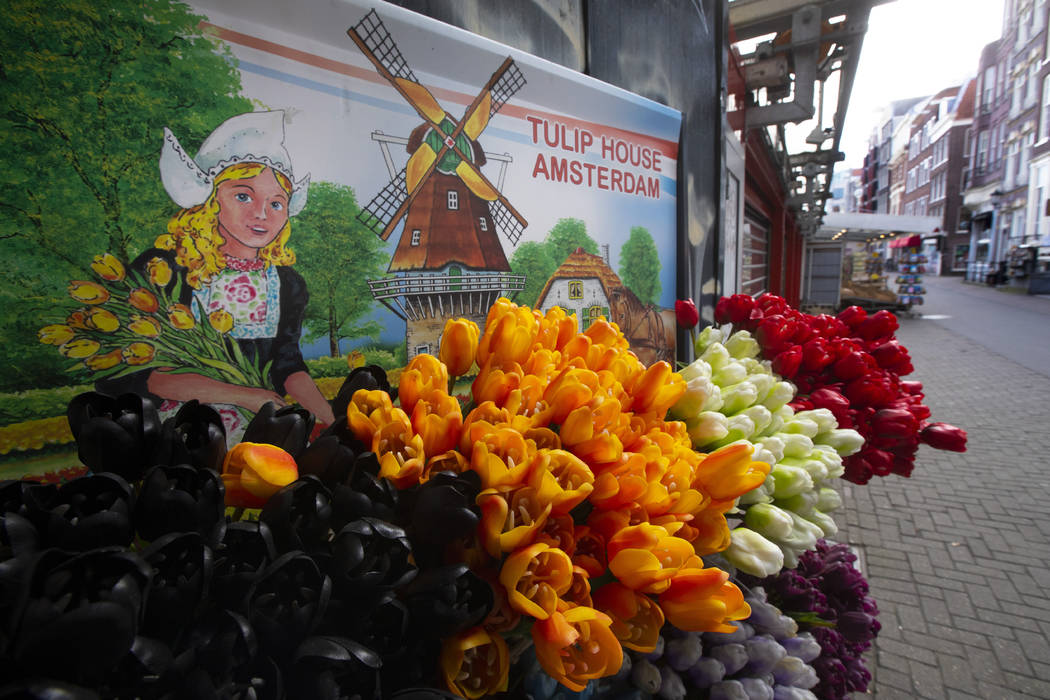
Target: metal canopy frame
<point>782,78</point>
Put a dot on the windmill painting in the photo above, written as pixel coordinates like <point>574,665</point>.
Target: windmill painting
<point>449,260</point>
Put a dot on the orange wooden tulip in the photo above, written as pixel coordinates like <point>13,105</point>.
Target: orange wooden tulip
<point>636,618</point>
<point>400,451</point>
<point>252,472</point>
<point>511,518</point>
<point>423,375</point>
<point>703,600</point>
<point>561,479</point>
<point>475,663</point>
<point>645,557</point>
<point>729,472</point>
<point>459,345</point>
<point>576,646</point>
<point>438,419</point>
<point>535,577</point>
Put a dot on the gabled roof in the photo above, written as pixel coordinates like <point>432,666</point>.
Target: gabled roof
<point>581,264</point>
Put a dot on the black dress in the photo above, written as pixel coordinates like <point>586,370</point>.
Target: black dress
<point>282,349</point>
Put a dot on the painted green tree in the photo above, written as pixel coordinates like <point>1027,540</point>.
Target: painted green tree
<point>85,90</point>
<point>566,236</point>
<point>535,262</point>
<point>640,265</point>
<point>336,255</point>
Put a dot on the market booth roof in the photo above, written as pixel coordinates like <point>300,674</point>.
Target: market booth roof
<point>856,226</point>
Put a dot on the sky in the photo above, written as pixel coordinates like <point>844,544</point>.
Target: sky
<point>914,48</point>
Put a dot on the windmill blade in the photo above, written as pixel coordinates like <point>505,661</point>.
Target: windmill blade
<point>381,215</point>
<point>479,118</point>
<point>419,164</point>
<point>421,99</point>
<point>475,184</point>
<point>507,220</point>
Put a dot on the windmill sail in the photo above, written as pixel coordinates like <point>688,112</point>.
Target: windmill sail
<point>380,212</point>
<point>510,223</point>
<point>509,83</point>
<point>374,35</point>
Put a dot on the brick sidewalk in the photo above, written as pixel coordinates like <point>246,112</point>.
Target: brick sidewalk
<point>958,555</point>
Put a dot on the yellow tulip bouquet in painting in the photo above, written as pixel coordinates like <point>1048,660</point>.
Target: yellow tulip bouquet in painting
<point>128,322</point>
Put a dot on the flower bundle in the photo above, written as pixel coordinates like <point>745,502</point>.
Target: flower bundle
<point>418,543</point>
<point>851,365</point>
<point>734,398</point>
<point>829,598</point>
<point>128,321</point>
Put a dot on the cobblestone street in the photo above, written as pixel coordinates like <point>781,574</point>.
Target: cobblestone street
<point>958,556</point>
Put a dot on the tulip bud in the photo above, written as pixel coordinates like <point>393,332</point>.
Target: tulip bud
<point>844,440</point>
<point>779,395</point>
<point>828,500</point>
<point>769,521</point>
<point>88,292</point>
<point>715,355</point>
<point>800,425</point>
<point>143,300</point>
<point>138,353</point>
<point>760,415</point>
<point>707,427</point>
<point>822,520</point>
<point>738,396</point>
<point>790,481</point>
<point>221,320</point>
<point>801,503</point>
<point>56,334</point>
<point>824,419</point>
<point>711,334</point>
<point>252,472</point>
<point>108,267</point>
<point>697,368</point>
<point>700,394</point>
<point>736,309</point>
<point>731,372</point>
<point>79,348</point>
<point>741,344</point>
<point>787,362</point>
<point>159,271</point>
<point>459,345</point>
<point>774,444</point>
<point>796,444</point>
<point>943,436</point>
<point>686,313</point>
<point>180,317</point>
<point>752,553</point>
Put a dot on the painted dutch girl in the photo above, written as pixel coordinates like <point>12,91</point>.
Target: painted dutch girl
<point>229,245</point>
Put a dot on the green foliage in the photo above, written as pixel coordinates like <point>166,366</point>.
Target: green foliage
<point>336,255</point>
<point>390,357</point>
<point>85,90</point>
<point>534,261</point>
<point>640,265</point>
<point>566,236</point>
<point>21,406</point>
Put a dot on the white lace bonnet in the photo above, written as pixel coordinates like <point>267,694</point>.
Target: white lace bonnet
<point>255,137</point>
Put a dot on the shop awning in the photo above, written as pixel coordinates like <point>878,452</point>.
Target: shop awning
<point>906,242</point>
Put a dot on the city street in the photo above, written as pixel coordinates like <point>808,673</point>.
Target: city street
<point>957,555</point>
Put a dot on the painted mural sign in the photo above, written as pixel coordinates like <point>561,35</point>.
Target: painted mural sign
<point>233,201</point>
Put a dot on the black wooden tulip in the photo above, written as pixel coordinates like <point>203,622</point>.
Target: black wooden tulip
<point>287,602</point>
<point>423,694</point>
<point>288,427</point>
<point>365,493</point>
<point>88,512</point>
<point>196,435</point>
<point>300,516</point>
<point>181,498</point>
<point>328,459</point>
<point>247,549</point>
<point>148,670</point>
<point>369,377</point>
<point>120,435</point>
<point>182,569</point>
<point>333,668</point>
<point>440,512</point>
<point>340,430</point>
<point>370,556</point>
<point>448,599</point>
<point>82,609</point>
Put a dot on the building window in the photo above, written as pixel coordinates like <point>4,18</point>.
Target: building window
<point>422,349</point>
<point>416,236</point>
<point>453,199</point>
<point>483,224</point>
<point>575,289</point>
<point>1044,119</point>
